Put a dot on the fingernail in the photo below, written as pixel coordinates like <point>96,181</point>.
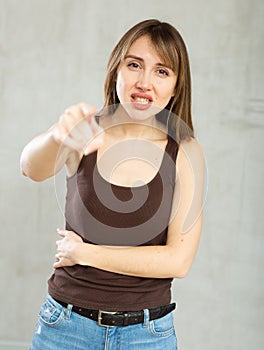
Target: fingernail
<point>85,110</point>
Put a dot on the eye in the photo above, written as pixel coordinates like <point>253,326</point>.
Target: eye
<point>163,72</point>
<point>133,65</point>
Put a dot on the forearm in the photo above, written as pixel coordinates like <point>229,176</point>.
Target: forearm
<point>143,261</point>
<point>42,157</point>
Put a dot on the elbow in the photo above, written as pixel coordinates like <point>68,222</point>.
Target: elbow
<point>34,178</point>
<point>31,176</point>
<point>181,270</point>
<point>27,172</point>
<point>180,264</point>
<point>180,274</point>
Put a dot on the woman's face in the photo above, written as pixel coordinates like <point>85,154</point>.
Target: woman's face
<point>144,83</point>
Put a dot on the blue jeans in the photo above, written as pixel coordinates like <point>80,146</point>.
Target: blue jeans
<point>59,328</point>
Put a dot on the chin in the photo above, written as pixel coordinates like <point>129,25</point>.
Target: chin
<point>140,113</point>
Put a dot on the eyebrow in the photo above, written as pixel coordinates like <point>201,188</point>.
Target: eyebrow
<point>141,59</point>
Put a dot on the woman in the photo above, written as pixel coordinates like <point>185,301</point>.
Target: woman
<point>134,198</point>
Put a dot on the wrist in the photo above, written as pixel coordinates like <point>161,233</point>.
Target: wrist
<point>81,254</point>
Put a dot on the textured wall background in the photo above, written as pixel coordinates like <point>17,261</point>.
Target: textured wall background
<point>53,53</point>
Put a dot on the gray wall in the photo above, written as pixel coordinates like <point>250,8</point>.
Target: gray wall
<point>53,53</point>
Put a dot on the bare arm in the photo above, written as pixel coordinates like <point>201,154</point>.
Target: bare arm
<point>43,157</point>
<point>172,260</point>
<point>63,144</point>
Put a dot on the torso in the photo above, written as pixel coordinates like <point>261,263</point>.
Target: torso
<point>126,161</point>
<point>118,216</point>
<point>130,162</point>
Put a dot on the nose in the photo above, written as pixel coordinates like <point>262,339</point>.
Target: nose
<point>144,82</point>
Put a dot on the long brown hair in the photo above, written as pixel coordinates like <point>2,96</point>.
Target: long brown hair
<point>171,48</point>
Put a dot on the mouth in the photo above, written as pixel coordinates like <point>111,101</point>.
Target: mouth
<point>141,101</point>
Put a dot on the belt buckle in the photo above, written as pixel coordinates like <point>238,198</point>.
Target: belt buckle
<point>100,312</point>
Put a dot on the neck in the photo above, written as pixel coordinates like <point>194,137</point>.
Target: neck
<point>121,124</point>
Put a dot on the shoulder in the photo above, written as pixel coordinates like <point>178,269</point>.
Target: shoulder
<point>190,155</point>
<point>191,145</point>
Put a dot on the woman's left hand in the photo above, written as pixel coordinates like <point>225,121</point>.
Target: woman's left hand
<point>68,248</point>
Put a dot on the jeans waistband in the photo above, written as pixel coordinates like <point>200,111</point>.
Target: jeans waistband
<point>120,318</point>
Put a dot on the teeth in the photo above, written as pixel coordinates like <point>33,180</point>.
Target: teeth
<point>141,100</point>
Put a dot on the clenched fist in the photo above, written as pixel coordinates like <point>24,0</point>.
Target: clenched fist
<point>78,129</point>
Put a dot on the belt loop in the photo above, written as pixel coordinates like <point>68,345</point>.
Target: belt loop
<point>146,318</point>
<point>68,311</point>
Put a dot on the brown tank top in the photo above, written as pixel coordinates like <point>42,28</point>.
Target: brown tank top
<point>103,213</point>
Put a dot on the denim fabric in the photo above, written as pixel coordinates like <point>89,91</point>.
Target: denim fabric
<point>59,328</point>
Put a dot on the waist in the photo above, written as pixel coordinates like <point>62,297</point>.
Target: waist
<point>102,290</point>
<point>119,318</point>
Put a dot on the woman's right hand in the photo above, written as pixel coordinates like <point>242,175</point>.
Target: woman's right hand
<point>78,130</point>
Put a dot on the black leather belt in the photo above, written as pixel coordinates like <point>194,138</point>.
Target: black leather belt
<point>121,318</point>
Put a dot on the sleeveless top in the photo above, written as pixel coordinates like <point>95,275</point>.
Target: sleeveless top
<point>108,214</point>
